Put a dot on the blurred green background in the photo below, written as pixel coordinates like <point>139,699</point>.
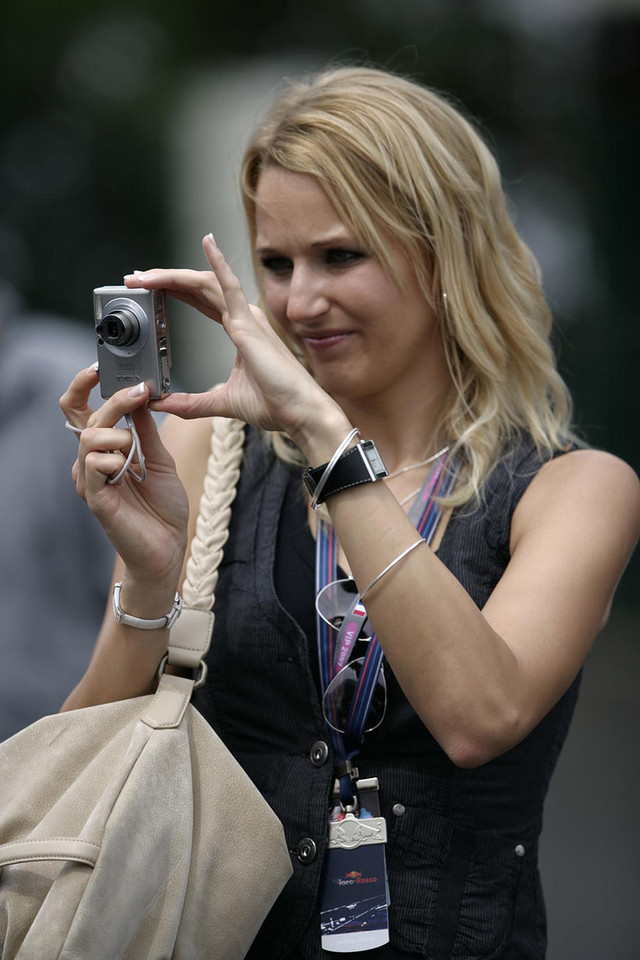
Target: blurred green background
<point>90,97</point>
<point>106,107</point>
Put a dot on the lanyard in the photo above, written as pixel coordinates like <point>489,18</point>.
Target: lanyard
<point>334,650</point>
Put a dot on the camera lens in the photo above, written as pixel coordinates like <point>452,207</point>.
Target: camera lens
<point>120,328</point>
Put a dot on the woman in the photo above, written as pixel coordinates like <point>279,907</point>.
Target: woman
<point>405,306</point>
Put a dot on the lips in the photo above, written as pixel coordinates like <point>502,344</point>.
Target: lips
<point>325,340</point>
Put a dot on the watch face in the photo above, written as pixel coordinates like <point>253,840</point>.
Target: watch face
<point>375,460</point>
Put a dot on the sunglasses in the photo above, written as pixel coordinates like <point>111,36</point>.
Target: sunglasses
<point>339,606</point>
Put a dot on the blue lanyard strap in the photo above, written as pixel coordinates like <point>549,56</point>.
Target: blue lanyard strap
<point>425,514</point>
<point>326,571</point>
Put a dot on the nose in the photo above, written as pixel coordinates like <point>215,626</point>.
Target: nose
<point>307,297</point>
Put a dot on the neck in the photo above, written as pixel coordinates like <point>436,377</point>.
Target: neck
<point>404,434</point>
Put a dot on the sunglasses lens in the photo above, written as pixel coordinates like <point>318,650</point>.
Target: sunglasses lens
<point>334,602</point>
<point>338,697</point>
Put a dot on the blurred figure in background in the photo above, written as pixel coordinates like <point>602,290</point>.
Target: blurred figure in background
<point>55,561</point>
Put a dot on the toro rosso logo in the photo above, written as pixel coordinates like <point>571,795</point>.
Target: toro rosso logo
<point>354,877</point>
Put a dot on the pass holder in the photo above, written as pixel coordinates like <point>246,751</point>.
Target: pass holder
<point>354,912</point>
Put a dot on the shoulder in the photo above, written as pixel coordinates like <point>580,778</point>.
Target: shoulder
<point>592,475</point>
<point>587,489</point>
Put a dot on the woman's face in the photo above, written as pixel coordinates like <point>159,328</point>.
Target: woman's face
<point>361,333</point>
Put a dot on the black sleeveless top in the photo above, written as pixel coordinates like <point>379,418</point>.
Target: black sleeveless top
<point>462,844</point>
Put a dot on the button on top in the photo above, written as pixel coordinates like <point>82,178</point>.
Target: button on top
<point>399,810</point>
<point>306,850</point>
<point>519,851</point>
<point>319,753</point>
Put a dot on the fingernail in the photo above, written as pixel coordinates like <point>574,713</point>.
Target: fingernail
<point>211,237</point>
<point>137,391</point>
<point>145,275</point>
<point>95,367</point>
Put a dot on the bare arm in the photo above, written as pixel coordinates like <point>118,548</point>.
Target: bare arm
<point>481,680</point>
<point>150,533</point>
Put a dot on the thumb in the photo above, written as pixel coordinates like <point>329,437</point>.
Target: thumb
<point>147,427</point>
<point>191,406</point>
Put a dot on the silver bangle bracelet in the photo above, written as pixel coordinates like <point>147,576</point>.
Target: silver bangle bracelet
<point>162,623</point>
<point>397,559</point>
<point>329,467</point>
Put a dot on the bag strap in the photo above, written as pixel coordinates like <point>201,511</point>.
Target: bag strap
<point>191,634</point>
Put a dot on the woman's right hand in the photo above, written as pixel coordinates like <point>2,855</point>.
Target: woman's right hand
<point>268,387</point>
<point>145,522</point>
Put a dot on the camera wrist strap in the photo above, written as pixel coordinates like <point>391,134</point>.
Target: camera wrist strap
<point>135,450</point>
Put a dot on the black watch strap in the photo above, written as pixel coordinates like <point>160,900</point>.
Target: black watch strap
<point>360,464</point>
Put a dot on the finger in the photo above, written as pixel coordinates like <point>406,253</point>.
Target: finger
<point>99,441</point>
<point>104,439</point>
<point>234,297</point>
<point>74,402</point>
<point>197,288</point>
<point>123,402</point>
<point>164,278</point>
<point>154,450</point>
<point>100,467</point>
<point>191,406</point>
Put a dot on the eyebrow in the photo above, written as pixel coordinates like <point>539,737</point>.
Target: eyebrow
<point>328,241</point>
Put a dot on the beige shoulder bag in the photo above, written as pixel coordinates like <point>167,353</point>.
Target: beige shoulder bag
<point>127,830</point>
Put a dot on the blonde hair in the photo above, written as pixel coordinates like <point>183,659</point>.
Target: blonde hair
<point>395,157</point>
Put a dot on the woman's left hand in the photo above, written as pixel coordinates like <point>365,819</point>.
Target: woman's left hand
<point>268,387</point>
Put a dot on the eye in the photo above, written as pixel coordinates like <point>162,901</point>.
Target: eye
<point>278,266</point>
<point>341,257</point>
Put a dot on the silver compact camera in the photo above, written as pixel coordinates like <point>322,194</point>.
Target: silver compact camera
<point>132,327</point>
